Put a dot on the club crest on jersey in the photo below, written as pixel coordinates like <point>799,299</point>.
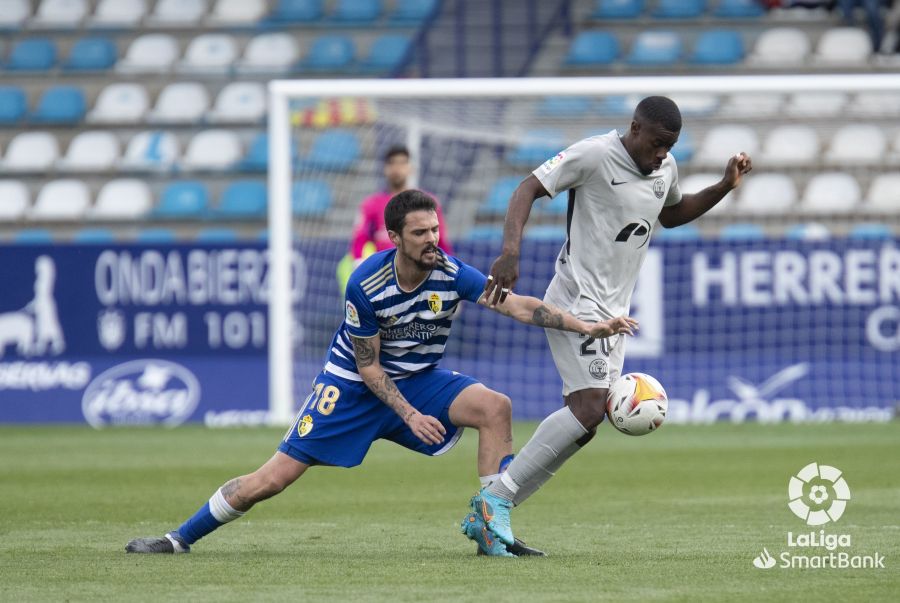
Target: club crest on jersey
<point>551,163</point>
<point>435,303</point>
<point>659,188</point>
<point>352,316</point>
<point>305,425</point>
<point>598,369</point>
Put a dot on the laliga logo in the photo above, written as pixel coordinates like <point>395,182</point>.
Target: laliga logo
<point>818,494</point>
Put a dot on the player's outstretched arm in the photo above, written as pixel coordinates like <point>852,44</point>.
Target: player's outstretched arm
<point>693,206</point>
<point>533,311</point>
<point>425,427</point>
<point>505,269</point>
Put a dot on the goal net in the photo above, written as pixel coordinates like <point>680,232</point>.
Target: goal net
<point>781,304</point>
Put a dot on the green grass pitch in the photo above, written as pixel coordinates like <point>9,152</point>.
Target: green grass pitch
<point>676,515</point>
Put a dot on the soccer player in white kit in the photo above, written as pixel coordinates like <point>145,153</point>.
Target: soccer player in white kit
<point>618,188</point>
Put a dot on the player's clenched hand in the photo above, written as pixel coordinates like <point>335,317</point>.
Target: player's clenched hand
<point>504,274</point>
<point>426,428</point>
<point>738,165</point>
<point>614,326</point>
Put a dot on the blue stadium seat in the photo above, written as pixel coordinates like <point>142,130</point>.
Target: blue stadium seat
<point>739,9</point>
<point>536,147</point>
<point>498,197</point>
<point>811,231</point>
<point>333,150</point>
<point>297,11</point>
<point>655,48</point>
<point>217,235</point>
<point>156,235</point>
<point>33,236</point>
<point>546,232</point>
<point>565,106</point>
<point>91,54</point>
<point>356,12</point>
<point>617,104</point>
<point>329,53</point>
<point>679,9</point>
<point>618,9</point>
<point>485,233</point>
<point>60,105</point>
<point>387,53</point>
<point>187,199</point>
<point>13,104</point>
<point>243,199</point>
<point>718,47</point>
<point>685,232</point>
<point>35,54</point>
<point>257,158</point>
<point>409,13</point>
<point>310,198</point>
<point>557,206</point>
<point>742,232</point>
<point>593,48</point>
<point>684,148</point>
<point>871,232</point>
<point>94,236</point>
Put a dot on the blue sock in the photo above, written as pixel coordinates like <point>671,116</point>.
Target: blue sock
<point>504,462</point>
<point>217,512</point>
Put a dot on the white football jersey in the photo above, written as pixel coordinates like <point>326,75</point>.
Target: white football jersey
<point>613,208</point>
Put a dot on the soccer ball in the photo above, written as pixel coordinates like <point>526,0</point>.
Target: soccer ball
<point>636,404</point>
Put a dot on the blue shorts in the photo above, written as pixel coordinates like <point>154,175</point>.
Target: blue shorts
<point>341,418</point>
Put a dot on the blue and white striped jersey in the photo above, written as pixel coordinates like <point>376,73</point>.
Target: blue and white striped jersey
<point>413,326</point>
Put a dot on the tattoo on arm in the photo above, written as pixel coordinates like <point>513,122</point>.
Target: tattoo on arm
<point>386,390</point>
<point>365,352</point>
<point>545,316</point>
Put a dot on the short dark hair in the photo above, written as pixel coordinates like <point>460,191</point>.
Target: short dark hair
<point>394,150</point>
<point>659,110</point>
<point>403,203</point>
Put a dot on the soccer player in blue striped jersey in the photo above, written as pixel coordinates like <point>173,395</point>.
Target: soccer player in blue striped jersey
<point>382,379</point>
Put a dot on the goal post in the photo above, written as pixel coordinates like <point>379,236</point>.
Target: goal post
<point>419,123</point>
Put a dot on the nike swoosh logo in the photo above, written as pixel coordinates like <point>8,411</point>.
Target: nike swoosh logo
<point>614,183</point>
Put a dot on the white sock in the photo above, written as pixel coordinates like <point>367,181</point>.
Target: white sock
<point>221,510</point>
<point>487,480</point>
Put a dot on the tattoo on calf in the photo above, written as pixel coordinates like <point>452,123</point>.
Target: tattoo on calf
<point>545,317</point>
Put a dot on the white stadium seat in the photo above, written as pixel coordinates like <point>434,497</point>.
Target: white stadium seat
<point>857,144</point>
<point>780,47</point>
<point>209,53</point>
<point>847,46</point>
<point>271,52</point>
<point>64,199</point>
<point>696,103</point>
<point>15,200</point>
<point>177,13</point>
<point>816,104</point>
<point>239,102</point>
<point>698,181</point>
<point>876,104</point>
<point>884,194</point>
<point>149,53</point>
<point>831,193</point>
<point>91,151</point>
<point>212,150</point>
<point>151,150</point>
<point>120,103</point>
<point>721,142</point>
<point>237,12</point>
<point>119,13</point>
<point>14,13</point>
<point>181,102</point>
<point>60,13</point>
<point>767,194</point>
<point>31,152</point>
<point>752,105</point>
<point>790,145</point>
<point>123,199</point>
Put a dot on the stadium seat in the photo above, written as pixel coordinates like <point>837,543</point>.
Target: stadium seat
<point>683,150</point>
<point>752,105</point>
<point>94,236</point>
<point>780,47</point>
<point>209,53</point>
<point>846,46</point>
<point>296,11</point>
<point>233,13</point>
<point>118,13</point>
<point>831,193</point>
<point>816,104</point>
<point>618,9</point>
<point>742,232</point>
<point>15,200</point>
<point>790,145</point>
<point>177,13</point>
<point>243,199</point>
<point>875,104</point>
<point>498,197</point>
<point>655,48</point>
<point>310,198</point>
<point>182,200</point>
<point>31,152</point>
<point>536,147</point>
<point>545,232</point>
<point>333,150</point>
<point>212,150</point>
<point>61,200</point>
<point>269,53</point>
<point>239,102</point>
<point>180,102</point>
<point>723,141</point>
<point>149,53</point>
<point>33,236</point>
<point>871,231</point>
<point>679,9</point>
<point>485,233</point>
<point>60,14</point>
<point>151,150</point>
<point>698,181</point>
<point>13,104</point>
<point>593,48</point>
<point>561,107</point>
<point>14,14</point>
<point>356,12</point>
<point>739,9</point>
<point>557,206</point>
<point>386,53</point>
<point>257,157</point>
<point>32,54</point>
<point>883,195</point>
<point>59,105</point>
<point>329,53</point>
<point>693,103</point>
<point>216,234</point>
<point>767,194</point>
<point>91,54</point>
<point>685,232</point>
<point>91,151</point>
<point>809,231</point>
<point>857,144</point>
<point>156,235</point>
<point>123,199</point>
<point>718,47</point>
<point>411,13</point>
<point>124,103</point>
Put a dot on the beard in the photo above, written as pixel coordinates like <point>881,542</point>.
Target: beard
<point>421,263</point>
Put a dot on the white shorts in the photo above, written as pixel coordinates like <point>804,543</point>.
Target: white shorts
<point>584,362</point>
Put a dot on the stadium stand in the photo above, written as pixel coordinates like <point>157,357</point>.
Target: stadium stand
<point>123,199</point>
<point>31,152</point>
<point>120,103</point>
<point>212,150</point>
<point>15,200</point>
<point>61,200</point>
<point>118,13</point>
<point>239,102</point>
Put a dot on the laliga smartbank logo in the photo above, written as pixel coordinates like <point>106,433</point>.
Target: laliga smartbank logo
<point>818,494</point>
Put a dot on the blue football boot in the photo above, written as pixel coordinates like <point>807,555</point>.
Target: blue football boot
<point>475,529</point>
<point>494,512</point>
